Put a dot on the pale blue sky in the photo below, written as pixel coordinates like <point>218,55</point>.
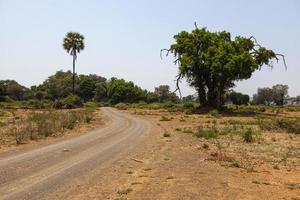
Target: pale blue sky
<point>124,38</point>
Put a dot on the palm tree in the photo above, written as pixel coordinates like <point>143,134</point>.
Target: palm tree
<point>73,44</point>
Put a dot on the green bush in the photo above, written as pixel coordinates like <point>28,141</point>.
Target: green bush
<point>91,105</point>
<point>206,133</point>
<point>121,106</point>
<point>248,136</point>
<point>69,102</point>
<point>164,118</point>
<point>214,113</point>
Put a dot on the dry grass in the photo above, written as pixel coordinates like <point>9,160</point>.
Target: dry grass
<point>20,126</point>
<point>246,141</point>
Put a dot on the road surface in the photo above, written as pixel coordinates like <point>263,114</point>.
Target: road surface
<point>39,171</point>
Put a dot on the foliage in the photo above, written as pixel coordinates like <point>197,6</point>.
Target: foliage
<point>119,90</point>
<point>121,106</point>
<point>164,94</point>
<point>100,92</point>
<point>206,133</point>
<point>212,61</point>
<point>13,90</point>
<point>275,95</point>
<point>238,98</point>
<point>248,136</point>
<point>291,125</point>
<point>47,123</point>
<point>71,101</point>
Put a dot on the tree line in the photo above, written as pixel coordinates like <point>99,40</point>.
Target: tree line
<point>58,88</point>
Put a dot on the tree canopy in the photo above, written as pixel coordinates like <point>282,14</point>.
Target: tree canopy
<point>238,98</point>
<point>275,95</point>
<point>212,62</point>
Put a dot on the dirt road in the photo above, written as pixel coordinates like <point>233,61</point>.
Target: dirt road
<point>42,170</point>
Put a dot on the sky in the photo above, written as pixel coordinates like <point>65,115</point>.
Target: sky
<point>123,38</point>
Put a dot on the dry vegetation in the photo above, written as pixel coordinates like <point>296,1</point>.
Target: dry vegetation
<point>247,140</point>
<point>262,148</point>
<point>19,126</point>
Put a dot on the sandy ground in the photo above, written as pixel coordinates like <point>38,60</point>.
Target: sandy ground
<point>177,167</point>
<point>158,167</point>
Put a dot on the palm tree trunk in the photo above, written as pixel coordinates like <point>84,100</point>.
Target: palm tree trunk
<point>73,86</point>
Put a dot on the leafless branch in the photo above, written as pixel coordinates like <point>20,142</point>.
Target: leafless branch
<point>283,58</point>
<point>195,24</point>
<point>162,50</point>
<point>177,85</point>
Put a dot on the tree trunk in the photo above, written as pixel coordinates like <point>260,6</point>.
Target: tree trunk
<point>202,96</point>
<point>73,86</point>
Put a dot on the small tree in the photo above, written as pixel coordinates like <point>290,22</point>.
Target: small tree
<point>238,98</point>
<point>164,94</point>
<point>212,61</point>
<point>279,93</point>
<point>73,43</point>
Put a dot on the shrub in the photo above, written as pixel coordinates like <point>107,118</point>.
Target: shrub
<point>178,129</point>
<point>214,113</point>
<point>121,106</point>
<point>71,101</point>
<point>166,134</point>
<point>248,136</point>
<point>91,105</point>
<point>205,146</point>
<point>187,130</point>
<point>291,125</point>
<point>164,118</point>
<point>206,133</point>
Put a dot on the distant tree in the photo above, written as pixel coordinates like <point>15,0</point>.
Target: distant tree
<point>238,98</point>
<point>263,96</point>
<point>152,97</point>
<point>189,98</point>
<point>163,92</point>
<point>17,91</point>
<point>100,92</point>
<point>119,90</point>
<point>275,95</point>
<point>212,61</point>
<point>3,90</point>
<point>58,85</point>
<point>279,93</point>
<point>73,43</point>
<point>87,88</point>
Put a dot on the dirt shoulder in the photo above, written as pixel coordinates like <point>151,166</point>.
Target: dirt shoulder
<point>179,166</point>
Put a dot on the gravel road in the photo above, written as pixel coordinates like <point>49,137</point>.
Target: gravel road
<point>36,172</point>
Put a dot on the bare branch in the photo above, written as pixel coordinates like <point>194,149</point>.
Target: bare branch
<point>283,58</point>
<point>177,85</point>
<point>255,41</point>
<point>162,50</point>
<point>195,24</point>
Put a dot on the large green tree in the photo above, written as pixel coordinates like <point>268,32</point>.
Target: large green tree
<point>119,90</point>
<point>73,43</point>
<point>213,61</point>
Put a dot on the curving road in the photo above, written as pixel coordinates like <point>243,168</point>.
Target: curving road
<point>42,170</point>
